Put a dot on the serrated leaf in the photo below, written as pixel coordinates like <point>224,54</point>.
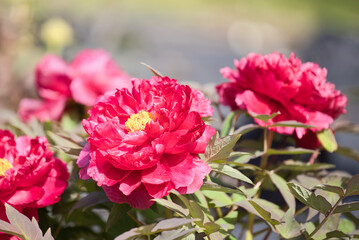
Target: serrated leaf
<point>229,171</point>
<point>90,200</point>
<point>263,117</point>
<point>303,167</point>
<point>117,211</point>
<point>63,141</point>
<point>310,199</point>
<point>353,186</point>
<point>327,139</point>
<point>264,213</point>
<point>290,124</point>
<point>169,224</point>
<point>347,207</point>
<point>6,227</point>
<point>26,228</point>
<point>289,151</point>
<point>281,184</point>
<point>220,149</point>
<point>173,206</point>
<point>330,188</point>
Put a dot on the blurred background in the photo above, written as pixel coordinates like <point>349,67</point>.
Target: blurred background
<point>187,40</point>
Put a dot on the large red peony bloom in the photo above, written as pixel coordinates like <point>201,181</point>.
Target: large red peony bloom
<point>30,177</point>
<point>88,76</point>
<point>145,142</point>
<point>273,83</point>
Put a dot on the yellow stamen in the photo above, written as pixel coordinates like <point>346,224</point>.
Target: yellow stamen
<point>4,165</point>
<point>138,121</point>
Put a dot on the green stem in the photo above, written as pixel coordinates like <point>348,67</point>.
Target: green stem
<point>326,218</point>
<point>249,234</point>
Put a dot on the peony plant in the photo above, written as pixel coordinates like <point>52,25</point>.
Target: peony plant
<point>147,162</point>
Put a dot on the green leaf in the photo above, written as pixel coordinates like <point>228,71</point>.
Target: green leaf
<point>218,188</point>
<point>228,123</point>
<point>262,212</point>
<point>336,234</point>
<point>353,186</point>
<point>310,199</point>
<point>25,228</point>
<point>346,226</point>
<point>330,188</point>
<point>290,228</point>
<point>246,129</point>
<point>303,167</point>
<point>117,211</point>
<point>90,200</point>
<point>290,124</point>
<point>196,212</point>
<point>347,207</point>
<point>211,227</point>
<point>264,117</point>
<point>348,152</point>
<point>174,234</point>
<point>173,206</point>
<point>229,171</point>
<point>289,151</point>
<point>169,224</point>
<point>281,184</point>
<point>6,227</point>
<point>220,149</point>
<point>227,222</point>
<point>143,230</point>
<point>219,199</point>
<point>327,139</point>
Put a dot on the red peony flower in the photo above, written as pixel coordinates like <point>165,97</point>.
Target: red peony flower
<point>272,83</point>
<point>88,76</point>
<point>145,142</point>
<point>30,177</point>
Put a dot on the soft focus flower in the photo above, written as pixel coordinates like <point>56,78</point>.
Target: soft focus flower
<point>88,76</point>
<point>30,177</point>
<point>94,73</point>
<point>145,142</point>
<point>274,83</point>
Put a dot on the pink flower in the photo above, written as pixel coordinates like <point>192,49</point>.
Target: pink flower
<point>145,142</point>
<point>30,177</point>
<point>273,83</point>
<point>94,74</point>
<point>88,76</point>
<point>53,78</point>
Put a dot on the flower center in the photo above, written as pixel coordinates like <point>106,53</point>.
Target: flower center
<point>138,121</point>
<point>4,165</point>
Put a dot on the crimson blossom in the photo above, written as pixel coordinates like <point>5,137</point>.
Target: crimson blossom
<point>30,177</point>
<point>273,83</point>
<point>145,142</point>
<point>89,75</point>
